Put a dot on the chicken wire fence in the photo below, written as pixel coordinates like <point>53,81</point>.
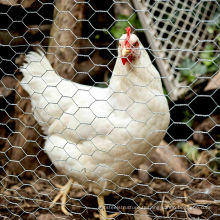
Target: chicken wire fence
<point>175,177</point>
<point>176,30</point>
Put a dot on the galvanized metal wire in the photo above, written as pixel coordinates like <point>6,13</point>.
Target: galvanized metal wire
<point>174,30</point>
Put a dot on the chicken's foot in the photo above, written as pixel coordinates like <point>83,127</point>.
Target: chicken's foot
<point>102,210</point>
<point>62,195</point>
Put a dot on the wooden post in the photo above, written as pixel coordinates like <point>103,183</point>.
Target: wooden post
<point>67,27</point>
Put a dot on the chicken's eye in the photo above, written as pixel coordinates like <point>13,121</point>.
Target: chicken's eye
<point>135,44</point>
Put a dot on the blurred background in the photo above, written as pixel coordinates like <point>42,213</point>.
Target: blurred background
<point>80,37</point>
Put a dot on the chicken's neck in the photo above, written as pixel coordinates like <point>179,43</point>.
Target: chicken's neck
<point>140,72</point>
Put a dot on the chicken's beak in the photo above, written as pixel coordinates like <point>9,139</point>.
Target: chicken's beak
<point>125,52</point>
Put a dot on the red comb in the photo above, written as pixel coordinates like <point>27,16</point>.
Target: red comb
<point>128,30</point>
<point>127,45</point>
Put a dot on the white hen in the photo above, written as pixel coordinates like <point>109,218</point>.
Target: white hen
<point>99,135</point>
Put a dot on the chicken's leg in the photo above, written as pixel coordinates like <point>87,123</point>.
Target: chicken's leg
<point>102,211</point>
<point>62,195</point>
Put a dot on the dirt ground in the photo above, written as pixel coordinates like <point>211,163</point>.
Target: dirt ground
<point>30,198</point>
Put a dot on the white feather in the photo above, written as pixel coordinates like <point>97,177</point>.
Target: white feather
<point>95,134</point>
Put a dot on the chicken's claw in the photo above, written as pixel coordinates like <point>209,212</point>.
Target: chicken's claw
<point>102,210</point>
<point>62,195</point>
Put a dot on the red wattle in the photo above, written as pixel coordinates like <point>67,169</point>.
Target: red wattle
<point>130,58</point>
<point>124,60</point>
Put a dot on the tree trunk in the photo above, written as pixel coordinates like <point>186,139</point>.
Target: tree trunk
<point>22,148</point>
<point>63,46</point>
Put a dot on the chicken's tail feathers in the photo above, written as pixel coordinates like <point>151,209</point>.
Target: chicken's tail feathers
<point>36,64</point>
<point>37,71</point>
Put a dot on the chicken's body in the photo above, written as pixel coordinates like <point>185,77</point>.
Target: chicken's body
<point>98,135</point>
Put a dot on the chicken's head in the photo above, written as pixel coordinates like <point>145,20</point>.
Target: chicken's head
<point>129,47</point>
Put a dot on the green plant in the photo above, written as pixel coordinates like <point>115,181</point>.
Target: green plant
<point>210,64</point>
<point>214,162</point>
<point>190,150</point>
<point>188,115</point>
<point>122,22</point>
<point>210,59</point>
<point>189,69</point>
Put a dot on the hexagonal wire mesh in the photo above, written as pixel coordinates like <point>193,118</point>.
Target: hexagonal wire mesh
<point>106,138</point>
<point>176,30</point>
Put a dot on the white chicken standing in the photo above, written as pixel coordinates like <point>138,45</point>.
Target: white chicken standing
<point>97,136</point>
